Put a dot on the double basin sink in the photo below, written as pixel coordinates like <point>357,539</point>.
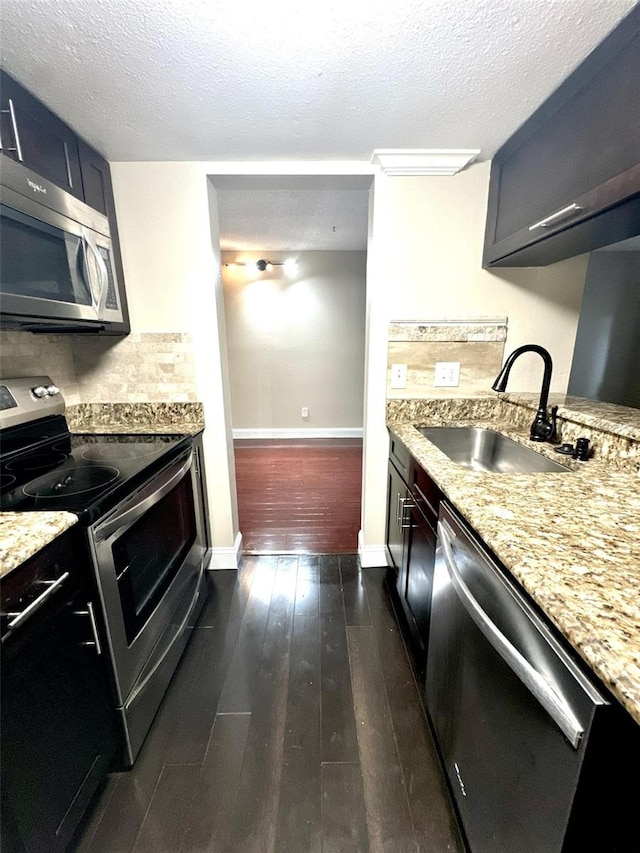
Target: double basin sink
<point>487,450</point>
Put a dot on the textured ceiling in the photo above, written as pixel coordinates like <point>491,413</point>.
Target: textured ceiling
<point>244,80</point>
<point>250,80</point>
<point>315,219</point>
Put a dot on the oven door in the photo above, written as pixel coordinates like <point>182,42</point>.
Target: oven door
<point>149,555</point>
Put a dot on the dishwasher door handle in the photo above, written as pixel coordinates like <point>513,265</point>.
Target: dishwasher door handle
<point>555,705</point>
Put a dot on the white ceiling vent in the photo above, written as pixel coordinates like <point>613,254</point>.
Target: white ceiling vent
<point>423,161</point>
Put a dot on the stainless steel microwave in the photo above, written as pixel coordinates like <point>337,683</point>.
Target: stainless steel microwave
<point>56,258</point>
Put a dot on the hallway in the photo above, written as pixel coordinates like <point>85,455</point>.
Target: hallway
<point>299,495</point>
<point>293,725</point>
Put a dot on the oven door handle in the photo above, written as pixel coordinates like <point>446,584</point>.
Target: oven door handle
<point>122,520</point>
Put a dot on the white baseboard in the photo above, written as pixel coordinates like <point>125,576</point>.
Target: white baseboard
<point>310,432</point>
<point>227,558</point>
<point>371,556</point>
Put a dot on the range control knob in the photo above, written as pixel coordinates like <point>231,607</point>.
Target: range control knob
<point>40,391</point>
<point>52,390</point>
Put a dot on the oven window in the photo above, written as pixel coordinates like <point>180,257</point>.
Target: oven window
<point>40,261</point>
<point>150,553</point>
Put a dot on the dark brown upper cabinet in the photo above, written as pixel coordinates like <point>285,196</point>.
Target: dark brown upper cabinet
<point>568,181</point>
<point>98,193</point>
<point>32,134</point>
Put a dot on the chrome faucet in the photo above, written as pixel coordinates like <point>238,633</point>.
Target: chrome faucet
<point>542,429</point>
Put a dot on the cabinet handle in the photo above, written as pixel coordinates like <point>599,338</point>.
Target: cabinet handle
<point>16,135</point>
<point>555,217</point>
<point>94,627</point>
<point>68,165</point>
<point>38,602</point>
<point>405,523</point>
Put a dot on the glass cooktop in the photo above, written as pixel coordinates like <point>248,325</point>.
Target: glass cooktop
<point>84,474</point>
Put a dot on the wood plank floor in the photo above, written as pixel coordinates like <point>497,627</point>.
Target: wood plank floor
<point>293,725</point>
<point>299,496</point>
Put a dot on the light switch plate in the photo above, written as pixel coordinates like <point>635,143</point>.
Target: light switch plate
<point>447,374</point>
<point>398,375</point>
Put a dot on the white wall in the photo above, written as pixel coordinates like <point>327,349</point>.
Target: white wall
<point>433,231</point>
<point>424,261</point>
<point>172,272</point>
<point>296,340</point>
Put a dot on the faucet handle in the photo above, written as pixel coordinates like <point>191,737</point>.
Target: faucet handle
<point>553,435</point>
<point>543,429</point>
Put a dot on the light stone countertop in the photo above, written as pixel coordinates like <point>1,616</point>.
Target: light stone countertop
<point>571,539</point>
<point>23,534</point>
<point>136,418</point>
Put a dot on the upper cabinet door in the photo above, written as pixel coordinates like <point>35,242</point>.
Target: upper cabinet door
<point>98,193</point>
<point>569,180</point>
<point>32,134</point>
<point>96,179</point>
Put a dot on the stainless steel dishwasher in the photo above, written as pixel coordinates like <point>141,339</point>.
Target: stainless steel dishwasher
<point>512,712</point>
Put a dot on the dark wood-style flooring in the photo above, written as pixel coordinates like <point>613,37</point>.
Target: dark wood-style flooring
<point>293,725</point>
<point>299,496</point>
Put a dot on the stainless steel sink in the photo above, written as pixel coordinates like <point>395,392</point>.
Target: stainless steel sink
<point>486,450</point>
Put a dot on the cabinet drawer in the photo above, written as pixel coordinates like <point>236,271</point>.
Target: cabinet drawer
<point>400,456</point>
<point>425,493</point>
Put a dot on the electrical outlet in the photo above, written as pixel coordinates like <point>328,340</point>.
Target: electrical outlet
<point>398,375</point>
<point>304,412</point>
<point>447,374</point>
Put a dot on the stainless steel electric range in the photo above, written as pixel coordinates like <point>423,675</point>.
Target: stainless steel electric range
<point>139,502</point>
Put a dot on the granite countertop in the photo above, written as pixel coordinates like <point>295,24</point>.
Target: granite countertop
<point>571,539</point>
<point>23,534</point>
<point>136,418</point>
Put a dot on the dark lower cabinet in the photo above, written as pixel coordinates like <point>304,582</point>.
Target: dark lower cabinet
<point>412,512</point>
<point>57,730</point>
<point>420,561</point>
<point>398,494</point>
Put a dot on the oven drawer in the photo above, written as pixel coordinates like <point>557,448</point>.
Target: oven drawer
<point>150,687</point>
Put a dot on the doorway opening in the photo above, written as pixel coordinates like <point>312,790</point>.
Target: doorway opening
<point>295,344</point>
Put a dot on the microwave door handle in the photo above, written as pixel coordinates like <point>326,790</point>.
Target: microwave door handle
<point>87,275</point>
<point>132,514</point>
<point>98,289</point>
<point>556,706</point>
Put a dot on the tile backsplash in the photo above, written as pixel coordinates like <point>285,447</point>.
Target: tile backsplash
<point>154,367</point>
<point>26,354</point>
<point>477,345</point>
